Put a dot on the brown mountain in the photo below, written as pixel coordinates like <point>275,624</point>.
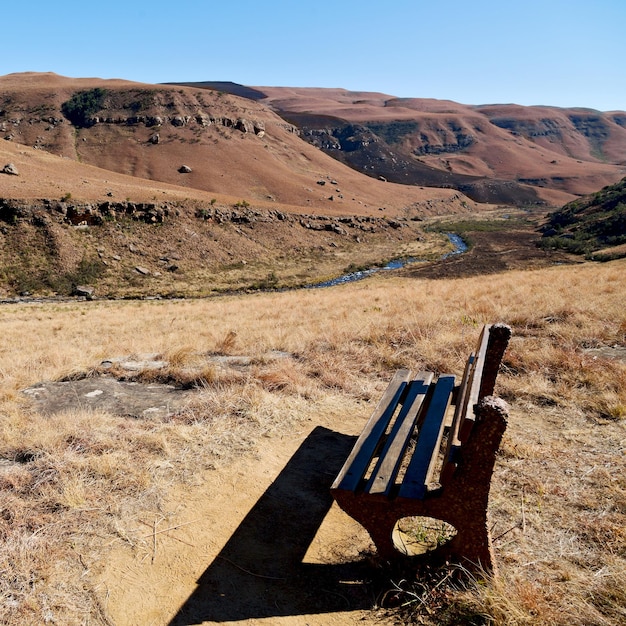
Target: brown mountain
<point>207,143</point>
<point>491,152</point>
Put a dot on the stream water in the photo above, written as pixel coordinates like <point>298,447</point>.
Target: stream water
<point>456,240</point>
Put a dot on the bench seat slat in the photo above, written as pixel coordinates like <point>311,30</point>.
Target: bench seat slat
<point>365,447</point>
<point>420,469</point>
<point>384,474</point>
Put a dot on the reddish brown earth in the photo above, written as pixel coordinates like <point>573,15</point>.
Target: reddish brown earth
<point>275,170</point>
<point>575,151</point>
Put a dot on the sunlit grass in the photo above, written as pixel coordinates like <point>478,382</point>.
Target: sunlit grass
<point>71,483</point>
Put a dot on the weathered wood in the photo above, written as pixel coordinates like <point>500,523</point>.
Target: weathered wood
<point>386,470</point>
<point>460,393</point>
<point>468,459</point>
<point>422,464</point>
<point>356,465</point>
<point>473,392</point>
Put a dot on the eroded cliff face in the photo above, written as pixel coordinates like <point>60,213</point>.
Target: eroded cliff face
<point>394,152</point>
<point>577,133</point>
<point>441,143</point>
<point>461,152</point>
<point>117,248</point>
<point>50,121</point>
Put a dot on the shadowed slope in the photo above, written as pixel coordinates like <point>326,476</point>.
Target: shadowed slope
<point>439,142</point>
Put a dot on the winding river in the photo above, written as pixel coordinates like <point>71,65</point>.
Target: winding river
<point>459,248</point>
<point>456,240</point>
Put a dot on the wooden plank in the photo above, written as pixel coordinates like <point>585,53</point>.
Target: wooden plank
<point>467,417</point>
<point>453,442</point>
<point>384,474</point>
<point>422,464</point>
<point>461,400</point>
<point>361,456</point>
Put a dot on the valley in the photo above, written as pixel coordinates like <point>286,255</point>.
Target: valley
<point>175,402</point>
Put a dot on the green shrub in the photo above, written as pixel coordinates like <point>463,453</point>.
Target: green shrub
<point>83,105</point>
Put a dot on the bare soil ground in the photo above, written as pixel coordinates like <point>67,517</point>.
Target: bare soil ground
<point>259,541</point>
<point>494,252</point>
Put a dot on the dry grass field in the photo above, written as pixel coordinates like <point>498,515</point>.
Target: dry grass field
<point>83,490</point>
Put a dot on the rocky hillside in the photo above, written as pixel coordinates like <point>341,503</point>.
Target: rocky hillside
<point>197,139</point>
<point>594,225</point>
<point>169,249</point>
<point>498,153</point>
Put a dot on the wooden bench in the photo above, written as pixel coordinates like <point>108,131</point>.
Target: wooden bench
<point>418,457</point>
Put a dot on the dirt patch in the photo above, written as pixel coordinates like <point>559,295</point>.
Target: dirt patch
<point>493,252</point>
<point>261,540</point>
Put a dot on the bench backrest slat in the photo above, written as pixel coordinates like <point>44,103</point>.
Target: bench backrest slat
<point>472,395</point>
<point>468,396</point>
<point>461,401</point>
<point>478,381</point>
<point>364,449</point>
<point>384,474</point>
<point>421,467</point>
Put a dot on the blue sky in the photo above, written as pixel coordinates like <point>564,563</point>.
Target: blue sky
<point>553,52</point>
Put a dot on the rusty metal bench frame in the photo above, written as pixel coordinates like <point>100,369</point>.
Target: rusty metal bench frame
<point>414,459</point>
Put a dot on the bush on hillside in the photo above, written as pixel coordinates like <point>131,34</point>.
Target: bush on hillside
<point>83,105</point>
<point>589,224</point>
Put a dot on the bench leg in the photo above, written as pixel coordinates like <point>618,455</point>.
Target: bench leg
<point>378,521</point>
<point>466,496</point>
<point>383,540</point>
<point>471,546</point>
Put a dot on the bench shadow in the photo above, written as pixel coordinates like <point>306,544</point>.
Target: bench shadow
<point>259,573</point>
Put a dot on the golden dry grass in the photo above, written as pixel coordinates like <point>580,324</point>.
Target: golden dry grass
<point>76,483</point>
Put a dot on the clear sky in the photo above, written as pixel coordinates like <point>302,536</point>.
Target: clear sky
<point>552,52</point>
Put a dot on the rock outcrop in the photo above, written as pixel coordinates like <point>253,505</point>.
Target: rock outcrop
<point>95,214</point>
<point>10,169</point>
<point>203,120</point>
<point>82,214</point>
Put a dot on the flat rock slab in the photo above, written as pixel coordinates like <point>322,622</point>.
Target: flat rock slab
<point>125,398</point>
<point>617,353</point>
